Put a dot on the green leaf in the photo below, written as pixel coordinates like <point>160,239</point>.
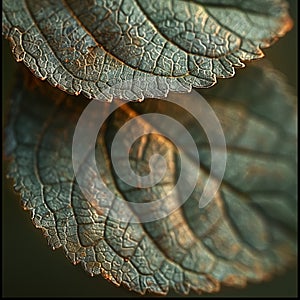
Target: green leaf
<point>247,233</point>
<point>139,49</point>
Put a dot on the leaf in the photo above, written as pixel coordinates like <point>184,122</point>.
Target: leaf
<point>139,49</point>
<point>247,233</point>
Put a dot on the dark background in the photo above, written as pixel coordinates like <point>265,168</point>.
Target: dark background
<point>31,269</point>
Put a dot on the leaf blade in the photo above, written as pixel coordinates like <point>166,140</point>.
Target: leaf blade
<point>139,257</point>
<point>129,50</point>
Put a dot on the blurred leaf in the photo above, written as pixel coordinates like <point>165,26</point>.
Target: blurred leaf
<point>247,233</point>
<point>135,49</point>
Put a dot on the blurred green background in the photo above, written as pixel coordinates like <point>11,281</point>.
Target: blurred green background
<point>31,269</point>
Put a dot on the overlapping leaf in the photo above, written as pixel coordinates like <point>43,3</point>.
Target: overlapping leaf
<point>134,49</point>
<point>246,233</point>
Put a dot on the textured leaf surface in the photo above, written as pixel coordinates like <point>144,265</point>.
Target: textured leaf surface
<point>135,49</point>
<point>246,233</point>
